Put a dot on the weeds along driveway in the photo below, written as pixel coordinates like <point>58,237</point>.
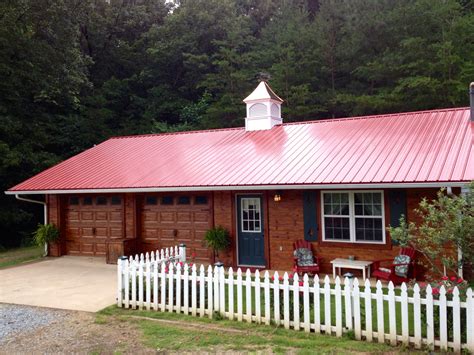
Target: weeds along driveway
<point>69,282</point>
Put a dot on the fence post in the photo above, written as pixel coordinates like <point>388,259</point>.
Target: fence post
<point>368,311</point>
<point>182,253</point>
<point>248,296</point>
<point>417,315</point>
<point>456,321</point>
<point>470,320</point>
<point>317,305</point>
<point>391,314</point>
<point>307,325</point>
<point>276,297</point>
<point>357,323</point>
<point>258,300</point>
<point>380,314</point>
<point>119,283</point>
<point>338,298</point>
<point>443,319</point>
<point>266,291</point>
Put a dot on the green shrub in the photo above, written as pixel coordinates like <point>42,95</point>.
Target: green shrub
<point>217,239</point>
<point>46,233</point>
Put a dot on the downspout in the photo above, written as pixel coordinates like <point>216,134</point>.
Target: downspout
<point>45,212</point>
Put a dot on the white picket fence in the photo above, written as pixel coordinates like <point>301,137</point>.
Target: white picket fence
<point>310,305</point>
<point>173,254</point>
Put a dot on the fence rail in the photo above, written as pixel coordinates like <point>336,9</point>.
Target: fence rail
<point>313,305</point>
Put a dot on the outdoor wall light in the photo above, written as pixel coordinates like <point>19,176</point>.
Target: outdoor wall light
<point>277,197</point>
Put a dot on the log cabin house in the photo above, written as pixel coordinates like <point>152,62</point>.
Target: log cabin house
<point>337,183</point>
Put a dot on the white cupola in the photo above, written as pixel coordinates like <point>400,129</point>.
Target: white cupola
<point>263,108</point>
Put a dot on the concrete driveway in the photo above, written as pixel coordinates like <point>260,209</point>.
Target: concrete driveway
<point>69,282</point>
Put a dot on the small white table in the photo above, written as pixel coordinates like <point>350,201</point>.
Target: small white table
<point>351,264</point>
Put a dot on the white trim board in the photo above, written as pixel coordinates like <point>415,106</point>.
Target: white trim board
<point>246,188</point>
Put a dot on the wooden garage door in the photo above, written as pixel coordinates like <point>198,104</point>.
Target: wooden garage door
<point>168,220</point>
<point>91,221</point>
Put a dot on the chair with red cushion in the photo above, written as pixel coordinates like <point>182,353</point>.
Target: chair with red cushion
<point>398,270</point>
<point>304,261</point>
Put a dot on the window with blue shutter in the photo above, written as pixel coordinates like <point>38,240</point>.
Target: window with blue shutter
<point>309,216</point>
<point>398,207</point>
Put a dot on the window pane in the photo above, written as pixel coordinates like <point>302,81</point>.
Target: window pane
<point>151,200</point>
<point>200,200</point>
<point>87,201</point>
<point>73,200</point>
<point>336,204</point>
<point>167,200</point>
<point>369,229</point>
<point>184,200</point>
<point>116,200</point>
<point>336,228</point>
<point>101,200</point>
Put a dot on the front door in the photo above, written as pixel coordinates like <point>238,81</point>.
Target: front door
<point>251,244</point>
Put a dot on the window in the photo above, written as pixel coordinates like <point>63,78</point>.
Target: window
<point>87,200</point>
<point>73,200</point>
<point>151,200</point>
<point>355,217</point>
<point>167,200</point>
<point>101,200</point>
<point>116,200</point>
<point>184,200</point>
<point>200,200</point>
<point>250,214</point>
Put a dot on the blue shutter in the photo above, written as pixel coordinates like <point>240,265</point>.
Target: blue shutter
<point>398,207</point>
<point>309,216</point>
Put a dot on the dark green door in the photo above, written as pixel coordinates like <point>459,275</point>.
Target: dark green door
<point>251,243</point>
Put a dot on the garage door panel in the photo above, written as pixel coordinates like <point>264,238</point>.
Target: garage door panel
<point>201,217</point>
<point>167,217</point>
<point>88,227</point>
<point>183,217</point>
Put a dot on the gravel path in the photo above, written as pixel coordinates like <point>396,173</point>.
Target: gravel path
<point>18,319</point>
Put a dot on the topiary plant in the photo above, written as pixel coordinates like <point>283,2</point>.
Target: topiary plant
<point>217,239</point>
<point>44,234</point>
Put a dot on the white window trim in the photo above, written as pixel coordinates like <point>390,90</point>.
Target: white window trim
<point>352,229</point>
<point>259,215</point>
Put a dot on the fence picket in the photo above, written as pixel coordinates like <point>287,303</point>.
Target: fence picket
<point>317,305</point>
<point>170,287</point>
<point>239,295</point>
<point>210,292</point>
<point>286,302</point>
<point>248,296</point>
<point>140,285</point>
<point>119,283</point>
<point>202,292</point>
<point>163,287</point>
<point>338,299</point>
<point>391,314</point>
<point>456,321</point>
<point>368,311</point>
<point>148,286</point>
<point>230,277</point>
<point>221,291</point>
<point>134,287</point>
<point>470,320</point>
<point>258,311</point>
<point>296,302</point>
<point>306,309</point>
<point>404,308</point>
<point>327,306</point>
<point>155,286</point>
<point>186,289</point>
<point>417,315</point>
<point>127,284</point>
<point>443,319</point>
<point>357,323</point>
<point>276,297</point>
<point>178,288</point>
<point>380,313</point>
<point>266,293</point>
<point>348,302</point>
<point>216,288</point>
<point>193,290</point>
<point>430,318</point>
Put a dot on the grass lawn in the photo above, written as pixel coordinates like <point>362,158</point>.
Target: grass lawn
<point>20,255</point>
<point>177,332</point>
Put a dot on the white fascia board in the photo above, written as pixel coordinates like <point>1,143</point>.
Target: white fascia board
<point>248,188</point>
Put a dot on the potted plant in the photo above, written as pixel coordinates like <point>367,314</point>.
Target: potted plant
<point>217,239</point>
<point>45,234</point>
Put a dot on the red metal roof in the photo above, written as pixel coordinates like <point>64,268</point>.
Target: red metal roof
<point>418,147</point>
